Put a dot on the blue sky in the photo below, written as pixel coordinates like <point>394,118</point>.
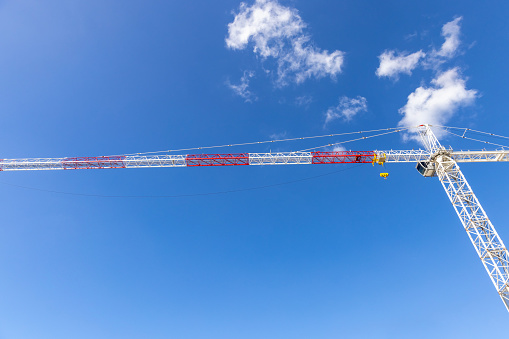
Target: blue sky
<point>342,255</point>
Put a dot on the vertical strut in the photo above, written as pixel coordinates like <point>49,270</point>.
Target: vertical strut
<point>480,230</point>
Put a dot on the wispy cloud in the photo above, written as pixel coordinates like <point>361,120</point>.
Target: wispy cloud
<point>277,32</point>
<point>437,104</point>
<point>277,136</point>
<point>451,33</point>
<point>410,36</point>
<point>304,100</point>
<point>338,148</point>
<point>392,63</point>
<point>347,108</point>
<point>242,89</point>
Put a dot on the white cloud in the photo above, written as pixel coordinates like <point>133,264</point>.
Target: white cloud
<point>437,104</point>
<point>338,148</point>
<point>276,31</point>
<point>391,64</point>
<point>277,136</point>
<point>304,100</point>
<point>451,32</point>
<point>347,108</point>
<point>410,36</point>
<point>242,88</point>
<point>265,23</point>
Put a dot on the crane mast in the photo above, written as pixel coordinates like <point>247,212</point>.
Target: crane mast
<point>480,230</point>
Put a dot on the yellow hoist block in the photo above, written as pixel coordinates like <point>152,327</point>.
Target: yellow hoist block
<point>384,175</point>
<point>379,159</point>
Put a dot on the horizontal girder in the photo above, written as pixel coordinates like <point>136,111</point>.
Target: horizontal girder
<point>459,156</point>
<point>235,159</point>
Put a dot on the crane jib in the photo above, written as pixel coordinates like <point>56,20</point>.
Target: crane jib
<point>229,159</point>
<point>236,159</point>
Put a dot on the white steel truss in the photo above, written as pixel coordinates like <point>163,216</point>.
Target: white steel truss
<point>480,156</point>
<point>482,233</point>
<point>155,161</point>
<point>460,156</point>
<point>96,162</point>
<point>283,158</point>
<point>404,156</point>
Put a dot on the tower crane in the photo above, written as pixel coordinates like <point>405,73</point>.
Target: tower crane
<point>435,160</point>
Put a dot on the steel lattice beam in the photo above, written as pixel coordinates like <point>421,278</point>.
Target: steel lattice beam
<point>480,230</point>
<point>487,243</point>
<point>279,158</point>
